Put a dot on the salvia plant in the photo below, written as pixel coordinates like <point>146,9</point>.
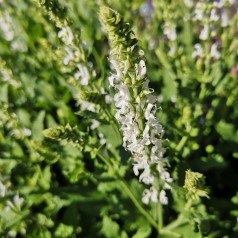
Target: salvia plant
<point>119,118</point>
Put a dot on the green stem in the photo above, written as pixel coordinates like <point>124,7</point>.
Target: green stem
<point>137,204</point>
<point>160,216</point>
<point>129,193</point>
<point>181,143</point>
<point>170,233</point>
<point>178,222</point>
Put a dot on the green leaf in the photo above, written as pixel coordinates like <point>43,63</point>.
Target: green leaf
<point>64,231</point>
<point>38,126</point>
<point>227,131</point>
<point>110,228</point>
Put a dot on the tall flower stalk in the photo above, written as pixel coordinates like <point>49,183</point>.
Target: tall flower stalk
<point>136,108</point>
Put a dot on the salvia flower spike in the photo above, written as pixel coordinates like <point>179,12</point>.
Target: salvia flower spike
<point>136,108</point>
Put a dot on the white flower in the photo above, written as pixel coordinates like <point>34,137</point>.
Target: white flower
<point>26,131</point>
<point>69,55</point>
<point>17,202</point>
<point>142,69</point>
<point>204,33</point>
<point>146,196</point>
<point>140,162</point>
<point>199,11</point>
<point>150,194</point>
<point>95,124</point>
<point>163,198</point>
<point>214,52</point>
<point>108,99</point>
<point>198,52</point>
<point>102,140</point>
<point>148,111</point>
<point>172,50</point>
<point>3,190</point>
<point>170,31</point>
<point>82,74</point>
<point>6,27</point>
<point>118,74</point>
<point>86,106</point>
<point>154,195</point>
<point>12,233</point>
<point>214,16</point>
<point>66,35</point>
<point>225,18</point>
<point>146,176</point>
<point>122,95</point>
<point>173,99</point>
<point>188,3</point>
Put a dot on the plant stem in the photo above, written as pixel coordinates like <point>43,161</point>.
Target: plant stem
<point>178,222</point>
<point>170,233</point>
<point>160,216</point>
<point>181,143</point>
<point>137,204</point>
<point>126,188</point>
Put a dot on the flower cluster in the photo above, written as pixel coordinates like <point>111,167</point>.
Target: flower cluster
<point>168,18</point>
<point>136,108</point>
<point>10,29</point>
<point>73,58</point>
<point>212,17</point>
<point>195,185</point>
<point>75,54</point>
<point>12,206</point>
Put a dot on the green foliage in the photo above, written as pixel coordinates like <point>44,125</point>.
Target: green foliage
<point>63,170</point>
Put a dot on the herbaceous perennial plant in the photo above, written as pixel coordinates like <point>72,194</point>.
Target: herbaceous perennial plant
<point>82,133</point>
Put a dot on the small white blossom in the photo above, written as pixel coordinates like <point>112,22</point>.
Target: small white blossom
<point>214,16</point>
<point>66,35</point>
<point>173,99</point>
<point>26,131</point>
<point>163,198</point>
<point>172,50</point>
<point>102,140</point>
<point>108,99</point>
<point>142,69</point>
<point>95,124</point>
<point>82,74</point>
<point>69,55</point>
<point>150,194</point>
<point>3,189</point>
<point>118,75</point>
<point>17,202</point>
<point>204,33</point>
<point>170,31</point>
<point>6,27</point>
<point>225,18</point>
<point>188,3</point>
<point>199,11</point>
<point>198,52</point>
<point>12,233</point>
<point>214,52</point>
<point>86,106</point>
